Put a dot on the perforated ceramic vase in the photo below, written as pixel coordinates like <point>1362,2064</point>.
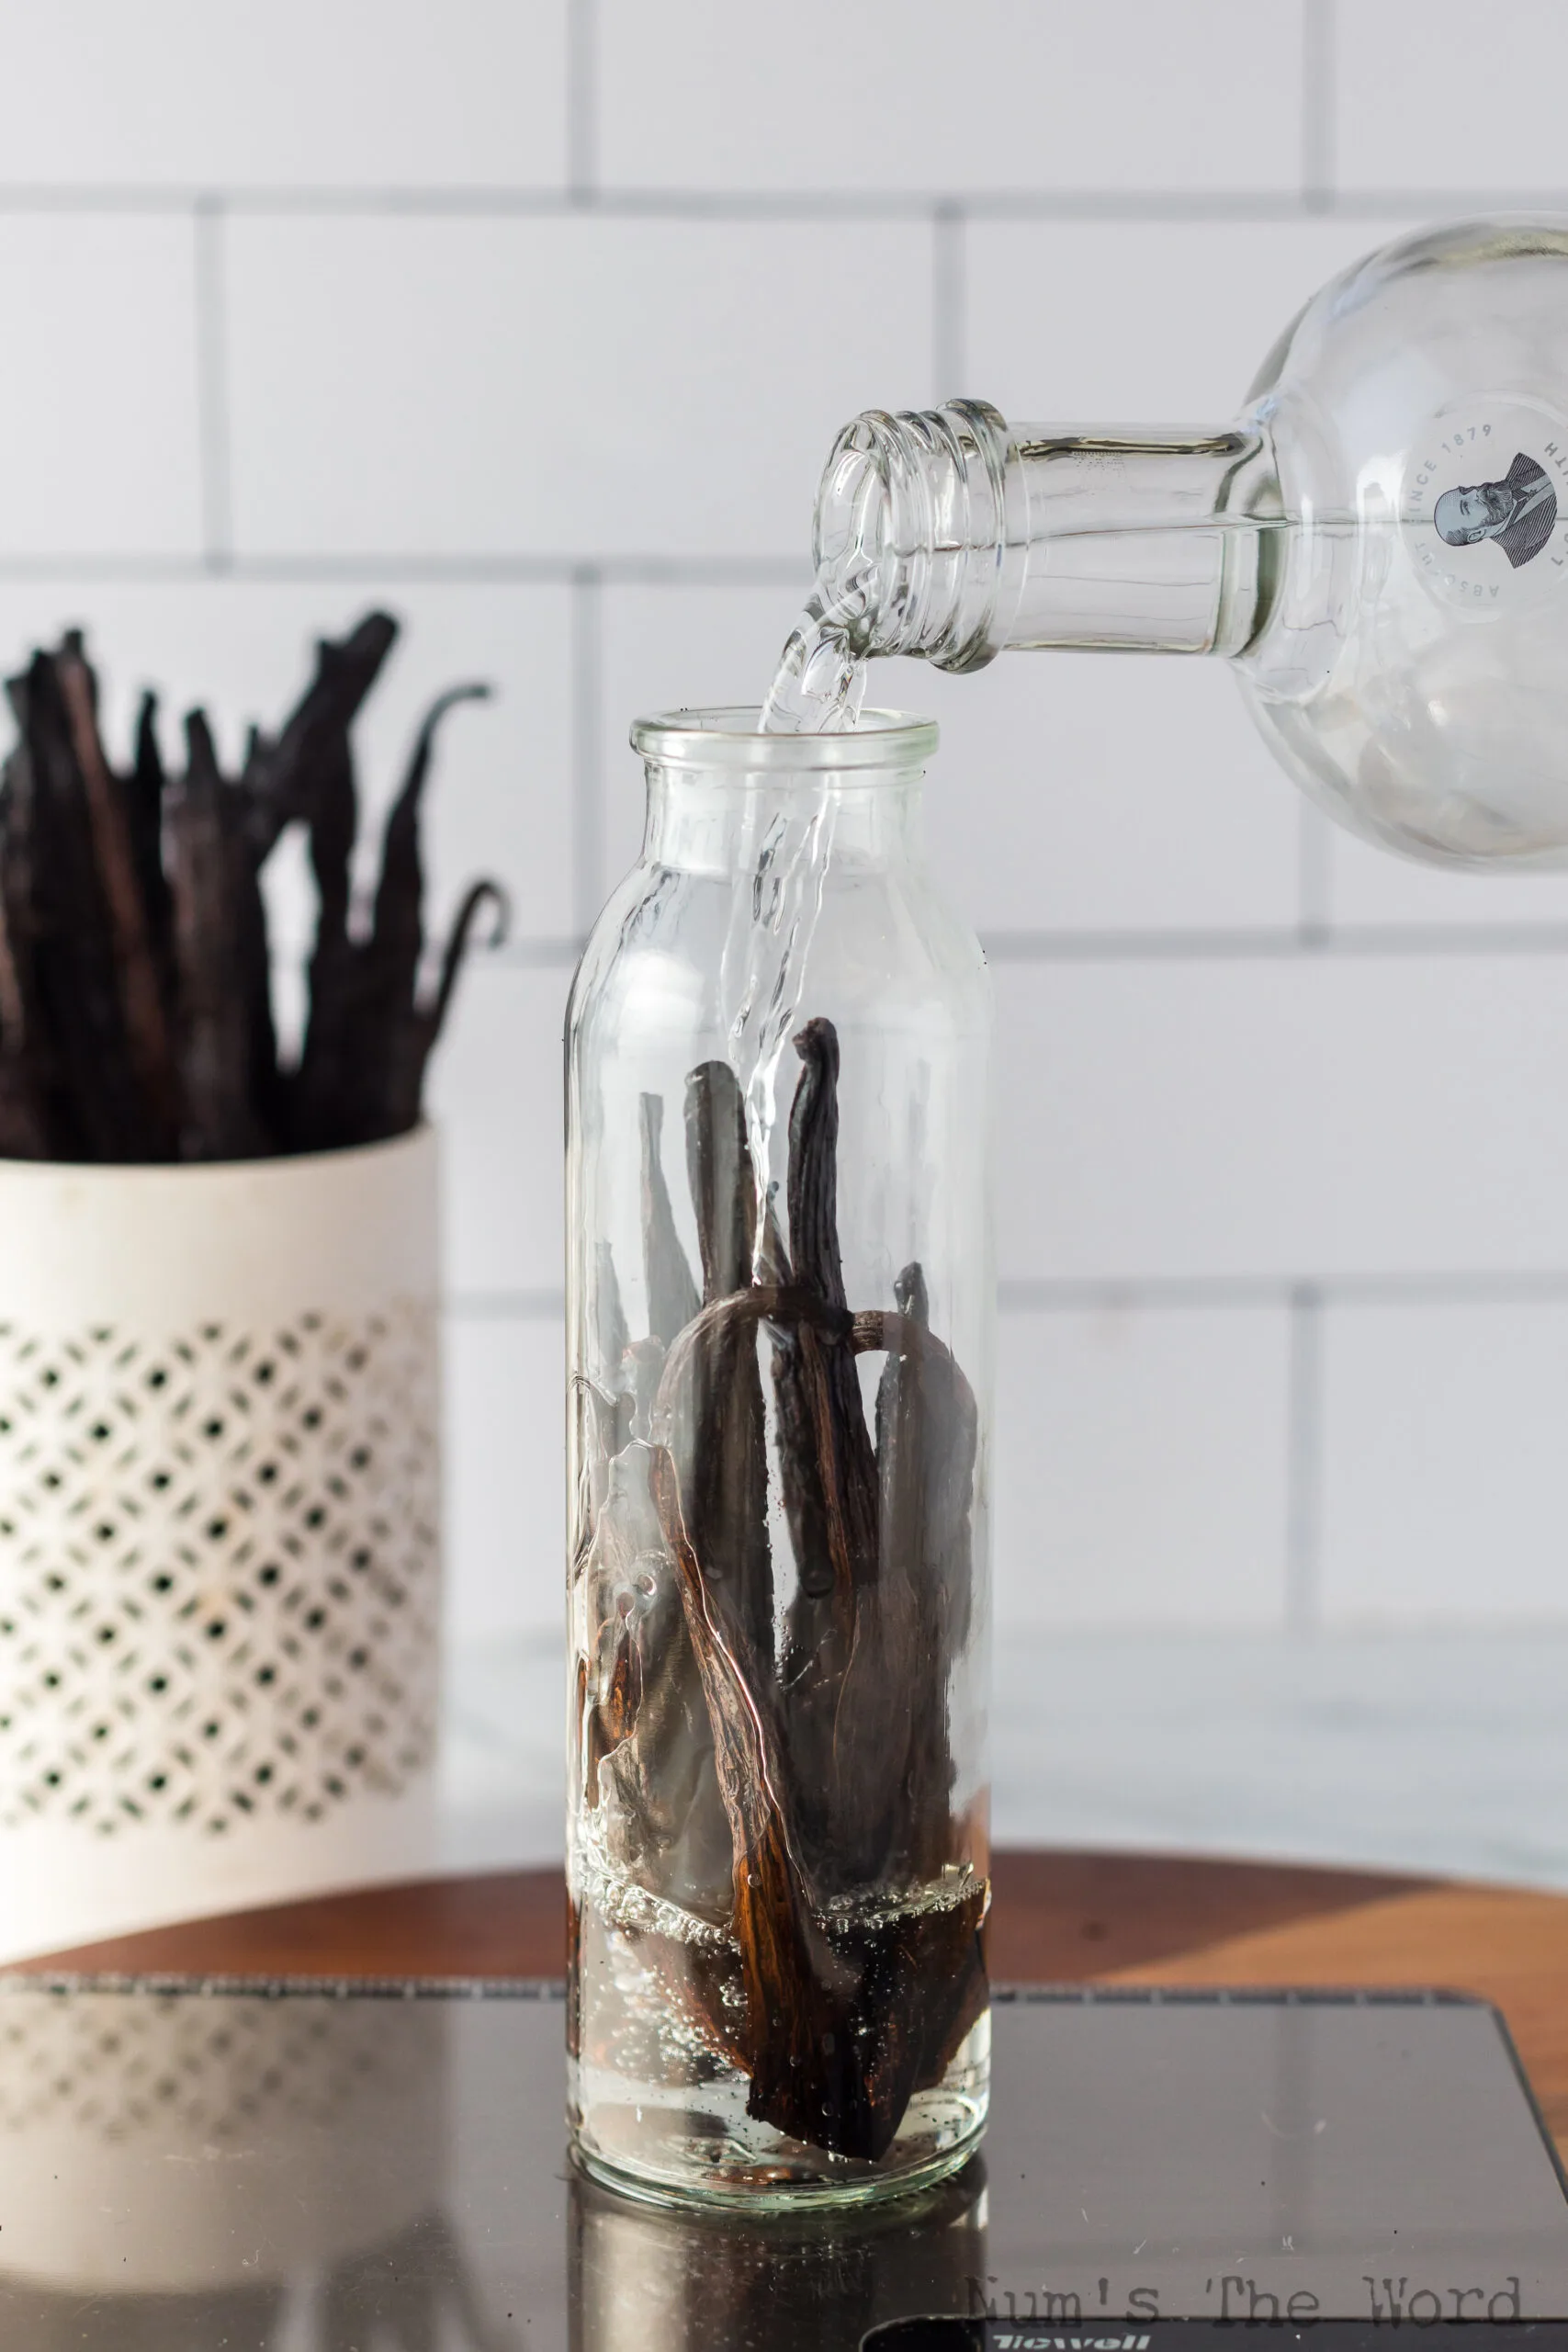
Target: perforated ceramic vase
<point>220,1568</point>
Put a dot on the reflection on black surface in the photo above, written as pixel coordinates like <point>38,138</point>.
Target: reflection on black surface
<point>646,2278</point>
<point>211,2172</point>
<point>224,2172</point>
<point>57,2319</point>
<point>180,2173</point>
<point>407,2295</point>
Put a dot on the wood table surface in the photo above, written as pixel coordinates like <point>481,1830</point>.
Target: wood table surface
<point>1073,1917</point>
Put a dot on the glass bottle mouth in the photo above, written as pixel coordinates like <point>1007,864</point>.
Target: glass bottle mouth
<point>728,737</point>
<point>921,531</point>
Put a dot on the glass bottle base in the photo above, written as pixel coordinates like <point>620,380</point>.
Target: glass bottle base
<point>695,2144</point>
<point>771,2186</point>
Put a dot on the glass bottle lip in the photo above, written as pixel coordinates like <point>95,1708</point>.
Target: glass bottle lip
<point>728,737</point>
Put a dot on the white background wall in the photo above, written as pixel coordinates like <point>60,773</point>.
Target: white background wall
<point>534,319</point>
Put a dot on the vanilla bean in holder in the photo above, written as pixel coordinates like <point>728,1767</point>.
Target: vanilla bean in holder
<point>135,967</point>
<point>780,1342</point>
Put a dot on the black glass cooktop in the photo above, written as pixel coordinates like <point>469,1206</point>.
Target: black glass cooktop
<point>190,2168</point>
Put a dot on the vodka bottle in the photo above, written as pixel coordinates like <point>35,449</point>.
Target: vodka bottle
<point>1378,543</point>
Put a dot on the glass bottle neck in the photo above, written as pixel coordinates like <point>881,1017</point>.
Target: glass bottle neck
<point>713,822</point>
<point>951,534</point>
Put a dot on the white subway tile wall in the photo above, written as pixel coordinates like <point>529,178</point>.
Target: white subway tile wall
<point>497,1092</point>
<point>101,439</point>
<point>883,97</point>
<point>577,386</point>
<point>1445,1486</point>
<point>533,323</point>
<point>1196,1397</point>
<point>1141,321</point>
<point>1331,1118</point>
<point>505,1495</point>
<point>302,95</point>
<point>1406,79</point>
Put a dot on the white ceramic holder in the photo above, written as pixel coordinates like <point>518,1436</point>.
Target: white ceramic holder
<point>219,1560</point>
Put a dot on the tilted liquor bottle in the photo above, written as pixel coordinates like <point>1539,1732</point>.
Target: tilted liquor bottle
<point>1378,543</point>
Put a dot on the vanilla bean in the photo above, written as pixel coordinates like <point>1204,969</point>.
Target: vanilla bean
<point>844,1464</point>
<point>723,1183</point>
<point>478,896</point>
<point>25,1132</point>
<point>23,1135</point>
<point>144,789</point>
<point>325,1108</point>
<point>144,804</point>
<point>115,1002</point>
<point>649,1758</point>
<point>393,1041</point>
<point>414,1040</point>
<point>928,1411</point>
<point>308,773</point>
<point>209,866</point>
<point>803,2064</point>
<point>836,1777</point>
<point>844,2021</point>
<point>723,1448</point>
<point>101,1114</point>
<point>149,1040</point>
<point>656,1774</point>
<point>828,1475</point>
<point>894,1766</point>
<point>299,775</point>
<point>808,1806</point>
<point>368,1036</point>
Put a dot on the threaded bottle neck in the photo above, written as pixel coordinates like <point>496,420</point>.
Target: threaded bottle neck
<point>912,541</point>
<point>947,534</point>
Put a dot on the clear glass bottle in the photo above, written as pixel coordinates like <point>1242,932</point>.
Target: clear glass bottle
<point>1379,543</point>
<point>778,1341</point>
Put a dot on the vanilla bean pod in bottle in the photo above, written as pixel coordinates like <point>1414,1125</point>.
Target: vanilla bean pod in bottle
<point>777,1844</point>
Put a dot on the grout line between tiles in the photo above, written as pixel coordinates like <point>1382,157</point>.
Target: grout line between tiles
<point>393,566</point>
<point>1314,875</point>
<point>1457,1286</point>
<point>1304,1299</point>
<point>505,1306</point>
<point>582,101</point>
<point>1319,105</point>
<point>214,436</point>
<point>1304,1463</point>
<point>542,954</point>
<point>1044,950</point>
<point>913,205</point>
<point>1275,944</point>
<point>537,955</point>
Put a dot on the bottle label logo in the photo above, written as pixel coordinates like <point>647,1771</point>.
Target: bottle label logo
<point>1483,505</point>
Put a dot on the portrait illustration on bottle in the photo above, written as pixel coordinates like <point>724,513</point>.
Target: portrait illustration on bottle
<point>1483,503</point>
<point>1519,512</point>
